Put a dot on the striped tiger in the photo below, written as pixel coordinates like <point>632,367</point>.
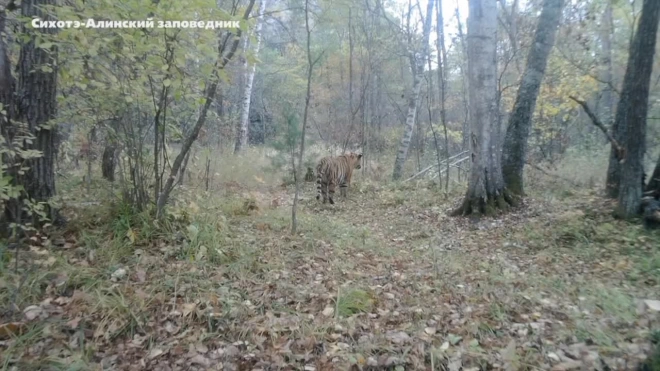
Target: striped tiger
<point>333,171</point>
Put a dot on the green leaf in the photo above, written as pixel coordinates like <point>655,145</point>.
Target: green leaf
<point>167,82</point>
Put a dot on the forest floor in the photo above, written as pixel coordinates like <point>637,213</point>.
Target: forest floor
<point>382,281</point>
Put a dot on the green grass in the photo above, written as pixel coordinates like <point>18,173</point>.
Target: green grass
<point>352,300</point>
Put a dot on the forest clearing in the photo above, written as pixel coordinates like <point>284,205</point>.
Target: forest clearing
<point>383,280</point>
<point>329,185</point>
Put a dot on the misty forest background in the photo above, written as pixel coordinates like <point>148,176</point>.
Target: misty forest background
<point>158,186</point>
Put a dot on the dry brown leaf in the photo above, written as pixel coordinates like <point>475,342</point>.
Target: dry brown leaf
<point>8,330</point>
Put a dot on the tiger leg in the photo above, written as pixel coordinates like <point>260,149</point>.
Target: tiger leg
<point>331,191</point>
<point>324,190</point>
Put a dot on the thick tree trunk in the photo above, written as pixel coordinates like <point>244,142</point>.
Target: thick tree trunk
<point>520,122</point>
<point>37,87</point>
<point>7,88</point>
<point>417,66</point>
<point>7,82</point>
<point>486,191</point>
<point>243,125</point>
<point>633,107</point>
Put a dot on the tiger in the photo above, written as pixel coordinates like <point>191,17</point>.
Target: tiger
<point>333,171</point>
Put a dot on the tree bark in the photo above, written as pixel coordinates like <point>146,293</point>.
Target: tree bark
<point>520,122</point>
<point>417,66</point>
<point>633,107</point>
<point>37,88</point>
<point>7,87</point>
<point>242,134</point>
<point>486,191</point>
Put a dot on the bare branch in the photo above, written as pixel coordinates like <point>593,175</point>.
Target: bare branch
<point>620,151</point>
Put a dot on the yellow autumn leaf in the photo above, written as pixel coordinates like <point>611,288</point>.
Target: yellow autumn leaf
<point>131,235</point>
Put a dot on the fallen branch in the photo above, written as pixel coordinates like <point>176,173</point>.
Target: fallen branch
<point>426,169</point>
<point>454,164</point>
<point>619,151</point>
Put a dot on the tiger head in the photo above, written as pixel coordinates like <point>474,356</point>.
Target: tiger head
<point>354,159</point>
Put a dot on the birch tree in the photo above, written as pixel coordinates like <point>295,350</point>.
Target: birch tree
<point>520,122</point>
<point>633,107</point>
<point>243,124</point>
<point>417,59</point>
<point>486,191</point>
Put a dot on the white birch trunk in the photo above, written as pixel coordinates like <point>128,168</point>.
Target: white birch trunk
<point>417,65</point>
<point>243,125</point>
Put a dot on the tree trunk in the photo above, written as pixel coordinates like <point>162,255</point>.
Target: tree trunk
<point>242,134</point>
<point>417,66</point>
<point>466,127</point>
<point>37,87</point>
<point>7,82</point>
<point>11,210</point>
<point>184,167</point>
<point>297,170</point>
<point>633,107</point>
<point>606,31</point>
<point>442,81</point>
<point>613,168</point>
<point>486,191</point>
<point>520,122</point>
